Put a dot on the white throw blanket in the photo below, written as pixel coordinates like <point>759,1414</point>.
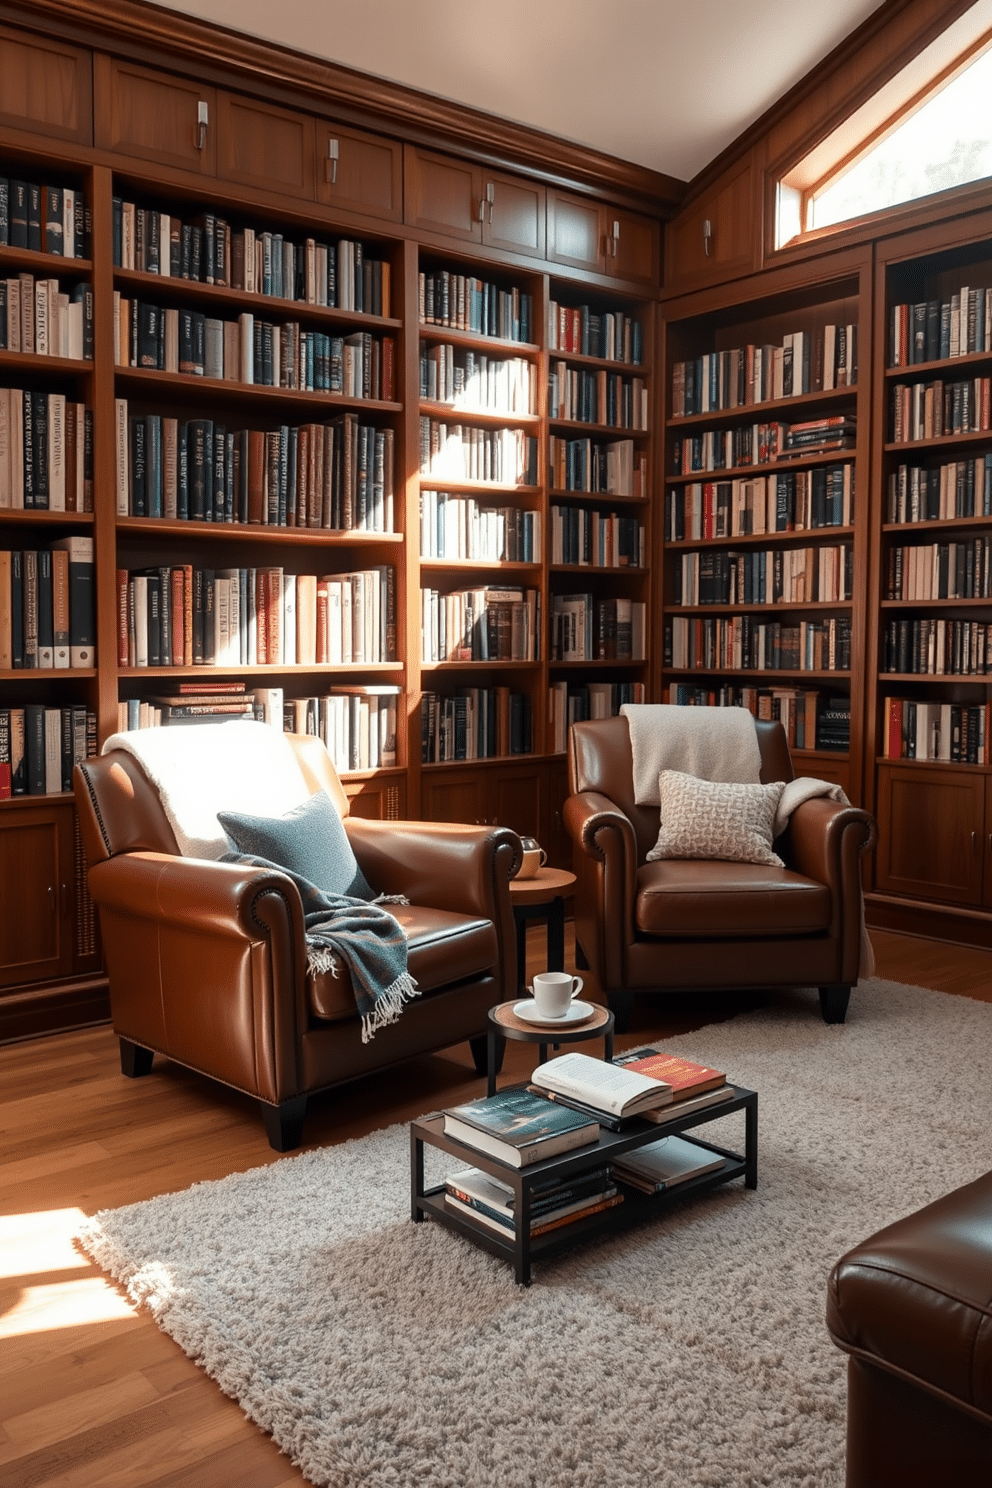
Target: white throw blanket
<point>242,766</point>
<point>716,744</point>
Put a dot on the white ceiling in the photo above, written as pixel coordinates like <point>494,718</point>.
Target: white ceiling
<point>664,83</point>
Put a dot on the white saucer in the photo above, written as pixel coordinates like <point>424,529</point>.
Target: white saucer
<point>578,1012</point>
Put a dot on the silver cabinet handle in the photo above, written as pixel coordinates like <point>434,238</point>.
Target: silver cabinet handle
<point>202,120</point>
<point>331,163</point>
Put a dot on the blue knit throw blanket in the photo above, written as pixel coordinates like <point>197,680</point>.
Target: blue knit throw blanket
<point>367,938</point>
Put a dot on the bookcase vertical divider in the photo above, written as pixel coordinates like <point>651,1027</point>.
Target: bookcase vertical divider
<point>104,451</point>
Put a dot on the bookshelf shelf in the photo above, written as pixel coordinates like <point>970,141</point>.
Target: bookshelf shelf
<point>263,306</point>
<point>264,533</point>
<point>816,401</point>
<point>222,390</point>
<point>577,428</point>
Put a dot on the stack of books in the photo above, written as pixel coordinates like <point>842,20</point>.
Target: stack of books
<point>694,1087</point>
<point>519,1128</point>
<point>609,1093</point>
<point>663,1164</point>
<point>553,1205</point>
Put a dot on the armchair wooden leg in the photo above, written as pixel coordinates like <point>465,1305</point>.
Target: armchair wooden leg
<point>833,1003</point>
<point>135,1059</point>
<point>480,1053</point>
<point>284,1123</point>
<point>581,959</point>
<point>622,1007</point>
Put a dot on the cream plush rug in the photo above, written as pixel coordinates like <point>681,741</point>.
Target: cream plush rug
<point>690,1352</point>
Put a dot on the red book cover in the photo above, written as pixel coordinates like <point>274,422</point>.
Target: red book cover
<point>178,621</point>
<point>893,728</point>
<point>388,369</point>
<point>122,618</point>
<point>685,1077</point>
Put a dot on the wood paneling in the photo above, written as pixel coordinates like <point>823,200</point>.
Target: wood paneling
<point>268,148</point>
<point>154,116</point>
<point>46,86</point>
<point>367,176</point>
<point>931,837</point>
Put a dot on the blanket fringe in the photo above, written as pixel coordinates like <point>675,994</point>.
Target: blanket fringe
<point>321,959</point>
<point>390,899</point>
<point>389,1006</point>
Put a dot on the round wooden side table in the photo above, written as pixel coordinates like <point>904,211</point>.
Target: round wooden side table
<point>541,898</point>
<point>504,1024</point>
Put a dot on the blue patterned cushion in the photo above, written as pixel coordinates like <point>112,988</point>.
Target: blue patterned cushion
<point>310,841</point>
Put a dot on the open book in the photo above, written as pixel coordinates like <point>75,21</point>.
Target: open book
<point>593,1085</point>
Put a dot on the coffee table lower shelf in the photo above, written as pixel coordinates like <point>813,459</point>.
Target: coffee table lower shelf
<point>520,1248</point>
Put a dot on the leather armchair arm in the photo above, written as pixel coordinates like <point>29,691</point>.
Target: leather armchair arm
<point>825,841</point>
<point>605,864</point>
<point>195,946</point>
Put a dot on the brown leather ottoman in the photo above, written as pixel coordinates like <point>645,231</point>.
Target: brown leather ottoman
<point>912,1306</point>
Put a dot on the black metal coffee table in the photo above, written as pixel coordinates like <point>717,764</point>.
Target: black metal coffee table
<point>518,1246</point>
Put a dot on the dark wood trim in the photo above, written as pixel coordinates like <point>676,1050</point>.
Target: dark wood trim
<point>54,1009</point>
<point>930,920</point>
<point>134,28</point>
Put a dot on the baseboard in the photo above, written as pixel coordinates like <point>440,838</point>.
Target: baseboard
<point>970,927</point>
<point>54,1009</point>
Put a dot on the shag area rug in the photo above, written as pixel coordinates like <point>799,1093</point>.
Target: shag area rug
<point>688,1352</point>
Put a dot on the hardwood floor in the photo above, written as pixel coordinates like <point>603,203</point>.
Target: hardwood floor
<point>91,1393</point>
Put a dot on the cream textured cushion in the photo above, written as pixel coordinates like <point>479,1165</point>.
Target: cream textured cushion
<point>716,819</point>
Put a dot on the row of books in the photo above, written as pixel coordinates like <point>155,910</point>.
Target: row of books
<point>929,410</point>
<point>608,334</point>
<point>575,702</point>
<point>824,574</point>
<point>810,720</point>
<point>459,527</point>
<point>461,302</point>
<point>486,624</point>
<point>459,452</point>
<point>39,317</point>
<point>957,733</point>
<point>596,539</point>
<point>47,606</point>
<point>474,381</point>
<point>937,647</point>
<point>46,452</point>
<point>934,330</point>
<point>588,629</point>
<point>760,444</point>
<point>570,1097</point>
<point>742,643</point>
<point>208,249</point>
<point>186,616</point>
<point>356,723</point>
<point>332,476</point>
<point>806,362</point>
<point>611,468</point>
<point>792,501</point>
<point>602,397</point>
<point>44,219</point>
<point>40,746</point>
<point>256,352</point>
<point>951,570</point>
<point>475,723</point>
<point>958,488</point>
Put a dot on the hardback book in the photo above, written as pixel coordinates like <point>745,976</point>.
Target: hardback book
<point>493,1203</point>
<point>665,1163</point>
<point>519,1128</point>
<point>683,1076</point>
<point>609,1088</point>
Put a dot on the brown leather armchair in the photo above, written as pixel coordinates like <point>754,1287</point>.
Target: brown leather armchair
<point>693,923</point>
<point>207,960</point>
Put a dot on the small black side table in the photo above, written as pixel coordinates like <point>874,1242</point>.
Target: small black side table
<point>504,1024</point>
<point>541,898</point>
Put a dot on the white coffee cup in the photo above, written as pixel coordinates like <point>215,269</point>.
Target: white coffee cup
<point>554,991</point>
<point>534,859</point>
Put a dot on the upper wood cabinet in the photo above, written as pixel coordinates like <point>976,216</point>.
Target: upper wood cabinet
<point>36,890</point>
<point>466,201</point>
<point>155,116</point>
<point>603,239</point>
<point>713,239</point>
<point>359,172</point>
<point>46,86</point>
<point>269,148</point>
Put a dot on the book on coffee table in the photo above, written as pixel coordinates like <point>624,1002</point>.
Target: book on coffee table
<point>592,1085</point>
<point>551,1205</point>
<point>518,1127</point>
<point>686,1078</point>
<point>665,1163</point>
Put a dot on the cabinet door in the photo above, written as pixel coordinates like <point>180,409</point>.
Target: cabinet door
<point>154,116</point>
<point>46,87</point>
<point>516,797</point>
<point>515,214</point>
<point>987,842</point>
<point>455,796</point>
<point>265,147</point>
<point>576,232</point>
<point>930,836</point>
<point>36,874</point>
<point>443,195</point>
<point>366,176</point>
<point>697,256</point>
<point>635,247</point>
<point>377,800</point>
